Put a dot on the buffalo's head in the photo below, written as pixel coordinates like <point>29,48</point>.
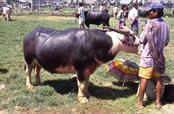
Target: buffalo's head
<point>76,15</point>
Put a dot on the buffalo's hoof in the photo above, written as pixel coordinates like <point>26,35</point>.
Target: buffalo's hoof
<point>29,86</point>
<point>83,99</point>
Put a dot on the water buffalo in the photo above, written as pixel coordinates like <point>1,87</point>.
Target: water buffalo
<point>72,50</point>
<point>96,17</point>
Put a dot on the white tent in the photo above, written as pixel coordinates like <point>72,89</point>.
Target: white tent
<point>2,0</point>
<point>125,1</point>
<point>25,1</point>
<point>86,1</point>
<point>136,1</point>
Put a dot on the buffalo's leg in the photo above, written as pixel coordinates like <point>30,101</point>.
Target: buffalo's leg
<point>28,75</point>
<point>8,17</point>
<point>37,74</point>
<point>82,83</point>
<point>4,16</point>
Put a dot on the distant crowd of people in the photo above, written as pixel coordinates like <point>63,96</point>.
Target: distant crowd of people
<point>125,13</point>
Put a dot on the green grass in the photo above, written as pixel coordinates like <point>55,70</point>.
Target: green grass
<point>59,92</point>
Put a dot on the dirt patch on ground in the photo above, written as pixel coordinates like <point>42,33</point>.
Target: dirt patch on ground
<point>166,109</point>
<point>171,30</point>
<point>55,111</point>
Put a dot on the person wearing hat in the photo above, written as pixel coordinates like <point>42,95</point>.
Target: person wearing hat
<point>155,37</point>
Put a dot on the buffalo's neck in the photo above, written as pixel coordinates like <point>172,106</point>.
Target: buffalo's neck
<point>116,42</point>
<point>119,45</point>
<point>115,49</point>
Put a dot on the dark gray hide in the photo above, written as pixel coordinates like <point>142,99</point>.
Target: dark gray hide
<point>1,10</point>
<point>97,18</point>
<point>71,47</point>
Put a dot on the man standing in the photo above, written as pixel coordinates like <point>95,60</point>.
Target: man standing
<point>81,12</point>
<point>133,18</point>
<point>152,62</point>
<point>115,11</point>
<point>122,15</point>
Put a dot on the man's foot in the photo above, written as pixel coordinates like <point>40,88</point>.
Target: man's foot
<point>140,105</point>
<point>158,105</point>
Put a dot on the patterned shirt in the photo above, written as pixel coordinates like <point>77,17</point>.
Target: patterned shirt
<point>155,37</point>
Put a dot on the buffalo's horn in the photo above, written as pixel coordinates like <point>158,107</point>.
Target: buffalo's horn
<point>121,31</point>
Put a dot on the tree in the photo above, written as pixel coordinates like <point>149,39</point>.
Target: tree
<point>11,1</point>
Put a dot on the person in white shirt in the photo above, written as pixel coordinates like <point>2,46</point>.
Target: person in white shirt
<point>133,18</point>
<point>81,12</point>
<point>115,11</point>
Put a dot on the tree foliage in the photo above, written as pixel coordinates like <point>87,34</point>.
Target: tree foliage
<point>11,1</point>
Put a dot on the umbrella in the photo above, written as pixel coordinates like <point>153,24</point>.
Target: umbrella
<point>124,70</point>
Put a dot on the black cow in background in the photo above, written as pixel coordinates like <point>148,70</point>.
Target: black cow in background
<point>96,18</point>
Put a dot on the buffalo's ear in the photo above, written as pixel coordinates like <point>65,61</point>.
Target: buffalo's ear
<point>105,57</point>
<point>110,54</point>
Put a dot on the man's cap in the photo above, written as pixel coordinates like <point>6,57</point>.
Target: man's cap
<point>155,5</point>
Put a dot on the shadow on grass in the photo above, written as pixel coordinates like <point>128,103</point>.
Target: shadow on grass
<point>3,71</point>
<point>168,96</point>
<point>112,93</point>
<point>66,86</point>
<point>63,86</point>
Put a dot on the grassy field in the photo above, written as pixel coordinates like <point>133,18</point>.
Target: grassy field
<point>58,93</point>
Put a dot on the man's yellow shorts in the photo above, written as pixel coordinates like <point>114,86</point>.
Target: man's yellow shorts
<point>148,72</point>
